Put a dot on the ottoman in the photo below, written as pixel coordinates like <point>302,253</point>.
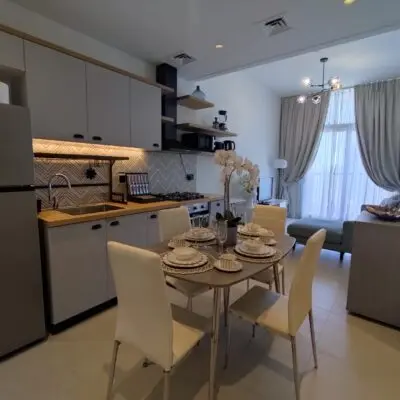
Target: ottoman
<point>338,233</point>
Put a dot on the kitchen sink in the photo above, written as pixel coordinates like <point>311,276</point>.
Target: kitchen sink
<point>89,209</point>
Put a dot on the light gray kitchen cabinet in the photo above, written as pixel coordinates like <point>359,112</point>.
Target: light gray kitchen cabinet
<point>145,116</point>
<point>153,231</point>
<point>11,52</point>
<point>130,230</point>
<point>77,268</point>
<point>216,207</point>
<point>108,106</point>
<point>56,93</point>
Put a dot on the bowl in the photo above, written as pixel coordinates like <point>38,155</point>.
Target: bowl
<point>199,232</point>
<point>184,253</point>
<point>252,246</point>
<point>251,227</point>
<point>265,233</point>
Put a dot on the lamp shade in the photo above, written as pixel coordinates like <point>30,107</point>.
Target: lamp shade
<point>280,163</point>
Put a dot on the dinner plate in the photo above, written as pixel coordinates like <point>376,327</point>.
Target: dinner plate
<point>245,232</point>
<point>236,266</point>
<point>174,259</point>
<point>172,262</point>
<point>268,252</point>
<point>207,238</point>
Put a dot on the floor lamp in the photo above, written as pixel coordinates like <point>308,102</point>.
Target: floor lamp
<point>280,164</point>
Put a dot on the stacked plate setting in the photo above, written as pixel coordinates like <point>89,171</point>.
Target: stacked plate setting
<point>185,257</point>
<point>200,235</point>
<point>254,249</point>
<point>255,230</point>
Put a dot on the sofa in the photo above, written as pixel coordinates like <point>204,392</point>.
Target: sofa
<point>339,234</point>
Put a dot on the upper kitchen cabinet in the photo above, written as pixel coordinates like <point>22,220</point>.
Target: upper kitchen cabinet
<point>11,52</point>
<point>108,106</point>
<point>145,116</point>
<point>56,92</point>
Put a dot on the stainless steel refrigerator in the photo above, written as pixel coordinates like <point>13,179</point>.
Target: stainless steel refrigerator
<point>22,319</point>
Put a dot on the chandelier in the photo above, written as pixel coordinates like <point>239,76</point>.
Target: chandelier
<point>332,84</point>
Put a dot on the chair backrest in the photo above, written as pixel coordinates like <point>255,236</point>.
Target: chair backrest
<point>173,222</point>
<point>300,296</point>
<point>144,317</point>
<point>271,217</point>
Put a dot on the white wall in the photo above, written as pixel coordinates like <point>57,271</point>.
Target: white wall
<point>253,113</point>
<point>34,24</point>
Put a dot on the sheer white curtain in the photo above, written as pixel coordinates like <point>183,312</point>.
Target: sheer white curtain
<point>337,185</point>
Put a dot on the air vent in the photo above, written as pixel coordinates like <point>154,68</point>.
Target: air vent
<point>182,59</point>
<point>276,25</point>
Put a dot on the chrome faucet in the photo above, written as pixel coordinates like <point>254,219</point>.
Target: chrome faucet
<point>53,199</point>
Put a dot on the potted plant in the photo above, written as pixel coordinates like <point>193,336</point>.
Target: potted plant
<point>231,163</point>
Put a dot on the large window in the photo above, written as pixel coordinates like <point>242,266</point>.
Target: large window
<point>337,185</point>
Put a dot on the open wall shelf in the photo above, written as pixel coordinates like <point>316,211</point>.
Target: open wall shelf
<point>194,103</point>
<point>195,128</point>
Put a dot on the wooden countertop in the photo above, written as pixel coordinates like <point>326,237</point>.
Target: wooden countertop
<point>53,218</point>
<point>57,218</point>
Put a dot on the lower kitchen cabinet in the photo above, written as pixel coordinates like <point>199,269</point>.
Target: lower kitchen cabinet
<point>216,207</point>
<point>79,275</point>
<point>152,231</point>
<point>77,268</point>
<point>130,230</point>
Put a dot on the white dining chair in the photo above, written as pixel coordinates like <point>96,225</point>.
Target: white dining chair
<point>145,316</point>
<point>285,314</point>
<point>274,219</point>
<point>173,222</point>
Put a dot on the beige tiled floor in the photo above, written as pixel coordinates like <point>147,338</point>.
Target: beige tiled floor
<point>357,358</point>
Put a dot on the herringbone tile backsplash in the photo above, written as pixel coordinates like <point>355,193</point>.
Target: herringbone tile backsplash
<point>165,171</point>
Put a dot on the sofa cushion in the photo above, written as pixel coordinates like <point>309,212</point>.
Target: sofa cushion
<point>308,226</point>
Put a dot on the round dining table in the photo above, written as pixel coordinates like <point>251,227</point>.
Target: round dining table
<point>221,282</point>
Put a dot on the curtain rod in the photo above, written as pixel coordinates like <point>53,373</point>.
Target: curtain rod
<point>349,87</point>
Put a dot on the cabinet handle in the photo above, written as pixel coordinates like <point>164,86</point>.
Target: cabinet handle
<point>79,136</point>
<point>97,138</point>
<point>194,208</point>
<point>156,145</point>
<point>97,226</point>
<point>218,204</point>
<point>153,216</point>
<point>114,223</point>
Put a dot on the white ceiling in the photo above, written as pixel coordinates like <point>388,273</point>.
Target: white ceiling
<point>156,29</point>
<point>356,62</point>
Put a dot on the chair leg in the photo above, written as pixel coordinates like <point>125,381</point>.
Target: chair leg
<point>253,335</point>
<point>248,285</point>
<point>294,248</point>
<point>112,369</point>
<point>166,385</point>
<point>227,344</point>
<point>295,368</point>
<point>312,332</point>
<point>226,305</point>
<point>283,281</point>
<point>341,256</point>
<point>189,304</point>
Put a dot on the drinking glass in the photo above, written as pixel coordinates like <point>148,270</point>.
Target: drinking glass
<point>221,234</point>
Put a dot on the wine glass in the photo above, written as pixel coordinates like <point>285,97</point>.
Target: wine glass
<point>221,233</point>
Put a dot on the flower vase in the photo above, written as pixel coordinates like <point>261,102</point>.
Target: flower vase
<point>232,236</point>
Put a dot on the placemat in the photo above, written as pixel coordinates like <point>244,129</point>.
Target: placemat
<point>270,260</point>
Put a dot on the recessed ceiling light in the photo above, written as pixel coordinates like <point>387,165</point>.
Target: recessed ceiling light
<point>349,2</point>
<point>219,46</point>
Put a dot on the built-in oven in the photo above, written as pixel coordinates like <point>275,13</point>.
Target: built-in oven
<point>199,213</point>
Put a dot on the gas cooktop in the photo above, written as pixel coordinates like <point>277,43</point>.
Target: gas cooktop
<point>180,196</point>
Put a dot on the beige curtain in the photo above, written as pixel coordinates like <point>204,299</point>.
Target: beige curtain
<point>377,107</point>
<point>301,127</point>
